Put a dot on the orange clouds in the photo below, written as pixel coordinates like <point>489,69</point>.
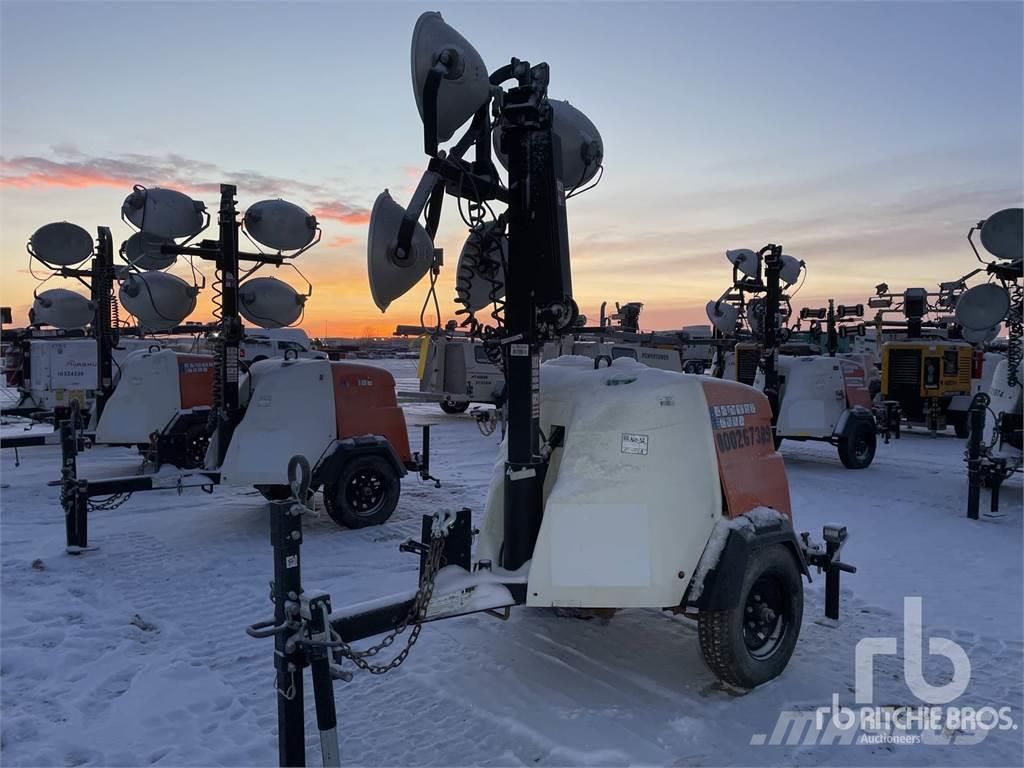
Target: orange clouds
<point>336,210</point>
<point>340,241</point>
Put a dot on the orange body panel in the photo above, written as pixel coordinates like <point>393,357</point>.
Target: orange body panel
<point>365,404</point>
<point>751,470</point>
<point>855,384</point>
<point>195,380</point>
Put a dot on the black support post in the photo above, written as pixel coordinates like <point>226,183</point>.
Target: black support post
<point>979,405</point>
<point>772,255</point>
<point>286,538</point>
<point>229,413</point>
<point>101,289</point>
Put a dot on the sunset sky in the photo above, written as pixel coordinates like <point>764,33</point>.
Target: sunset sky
<point>866,138</point>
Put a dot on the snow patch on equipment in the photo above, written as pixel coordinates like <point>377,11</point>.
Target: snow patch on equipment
<point>758,517</point>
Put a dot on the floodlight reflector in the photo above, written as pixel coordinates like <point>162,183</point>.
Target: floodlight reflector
<point>789,270</point>
<point>61,244</point>
<point>392,274</point>
<point>480,276</point>
<point>143,251</point>
<point>280,225</point>
<point>61,308</point>
<point>581,143</point>
<point>723,316</point>
<point>981,307</point>
<point>745,260</point>
<point>982,336</point>
<point>1002,234</point>
<point>463,85</point>
<point>270,303</point>
<point>164,212</point>
<point>159,301</point>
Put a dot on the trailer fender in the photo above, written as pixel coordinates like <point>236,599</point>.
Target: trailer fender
<point>850,418</point>
<point>339,452</point>
<point>723,583</point>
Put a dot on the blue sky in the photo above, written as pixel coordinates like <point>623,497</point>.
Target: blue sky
<point>866,137</point>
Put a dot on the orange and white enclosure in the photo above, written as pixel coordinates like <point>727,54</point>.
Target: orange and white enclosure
<point>632,496</point>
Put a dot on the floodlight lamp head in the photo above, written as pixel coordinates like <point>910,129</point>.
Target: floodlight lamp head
<point>280,225</point>
<point>144,252</point>
<point>449,78</point>
<point>159,301</point>
<point>983,306</point>
<point>480,275</point>
<point>745,260</point>
<point>1002,234</point>
<point>881,288</point>
<point>879,302</point>
<point>723,316</point>
<point>60,244</point>
<point>789,269</point>
<point>581,145</point>
<point>982,336</point>
<point>61,308</point>
<point>270,303</point>
<point>393,271</point>
<point>164,213</point>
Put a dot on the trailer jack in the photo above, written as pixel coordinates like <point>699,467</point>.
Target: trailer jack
<point>827,560</point>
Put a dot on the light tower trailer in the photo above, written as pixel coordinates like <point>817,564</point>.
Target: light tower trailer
<point>357,435</point>
<point>560,463</point>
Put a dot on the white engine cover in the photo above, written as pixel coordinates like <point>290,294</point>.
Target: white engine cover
<point>290,412</point>
<point>146,398</point>
<point>813,398</point>
<point>630,499</point>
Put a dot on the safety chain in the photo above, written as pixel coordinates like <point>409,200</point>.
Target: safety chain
<point>110,502</point>
<point>415,616</point>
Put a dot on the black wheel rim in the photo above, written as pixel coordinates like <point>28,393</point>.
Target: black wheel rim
<point>365,491</point>
<point>766,616</point>
<point>861,448</point>
<point>196,448</point>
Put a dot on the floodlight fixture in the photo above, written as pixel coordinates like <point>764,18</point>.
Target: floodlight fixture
<point>723,315</point>
<point>745,260</point>
<point>280,225</point>
<point>581,143</point>
<point>1002,234</point>
<point>270,303</point>
<point>880,302</point>
<point>145,252</point>
<point>61,308</point>
<point>60,244</point>
<point>789,269</point>
<point>449,79</point>
<point>166,213</point>
<point>158,300</point>
<point>393,271</point>
<point>983,306</point>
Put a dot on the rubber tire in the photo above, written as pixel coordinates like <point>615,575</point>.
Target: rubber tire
<point>861,429</point>
<point>334,493</point>
<point>721,632</point>
<point>453,408</point>
<point>961,426</point>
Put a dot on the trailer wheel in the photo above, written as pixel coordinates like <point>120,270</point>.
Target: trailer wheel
<point>857,447</point>
<point>196,442</point>
<point>364,493</point>
<point>452,407</point>
<point>752,643</point>
<point>961,425</point>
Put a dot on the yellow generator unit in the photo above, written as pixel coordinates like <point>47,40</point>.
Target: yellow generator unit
<point>924,376</point>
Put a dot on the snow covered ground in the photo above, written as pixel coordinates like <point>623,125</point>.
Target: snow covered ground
<point>135,654</point>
